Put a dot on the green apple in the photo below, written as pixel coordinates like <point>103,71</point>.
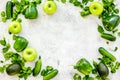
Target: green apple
<point>96,8</point>
<point>49,7</point>
<point>15,27</point>
<point>29,54</point>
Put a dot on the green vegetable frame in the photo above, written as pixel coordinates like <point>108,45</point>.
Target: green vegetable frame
<point>110,20</point>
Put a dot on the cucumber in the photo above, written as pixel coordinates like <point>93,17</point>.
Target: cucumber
<point>109,37</point>
<point>9,9</point>
<point>105,53</point>
<point>50,75</point>
<point>37,67</point>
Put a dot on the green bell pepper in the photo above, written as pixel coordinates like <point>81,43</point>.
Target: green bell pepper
<point>111,22</point>
<point>20,43</point>
<point>83,66</point>
<point>31,11</point>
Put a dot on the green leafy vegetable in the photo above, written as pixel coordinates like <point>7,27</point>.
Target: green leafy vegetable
<point>77,3</point>
<point>8,55</point>
<point>86,1</point>
<point>71,1</point>
<point>2,69</point>
<point>63,1</point>
<point>25,72</point>
<point>37,1</point>
<point>3,14</point>
<point>119,34</point>
<point>19,20</point>
<point>4,19</point>
<point>98,78</point>
<point>87,77</point>
<point>16,58</point>
<point>117,65</point>
<point>6,48</point>
<point>100,29</point>
<point>114,67</point>
<point>85,13</point>
<point>76,77</point>
<point>94,71</point>
<point>105,60</point>
<point>3,42</point>
<point>22,2</point>
<point>116,11</point>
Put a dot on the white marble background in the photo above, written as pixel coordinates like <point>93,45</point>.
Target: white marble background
<point>62,39</point>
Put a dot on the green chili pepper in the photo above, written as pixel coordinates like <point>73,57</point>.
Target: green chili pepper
<point>31,11</point>
<point>83,66</point>
<point>20,44</point>
<point>9,9</point>
<point>111,22</point>
<point>109,37</point>
<point>50,75</point>
<point>105,53</point>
